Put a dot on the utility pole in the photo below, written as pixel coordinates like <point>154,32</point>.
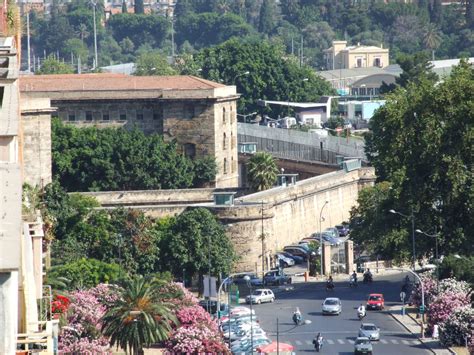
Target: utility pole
<point>96,64</point>
<point>172,38</point>
<point>263,247</point>
<point>28,35</point>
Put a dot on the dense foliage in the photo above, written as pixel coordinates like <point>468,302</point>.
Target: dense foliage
<point>421,142</point>
<point>93,159</point>
<point>95,243</point>
<point>304,28</point>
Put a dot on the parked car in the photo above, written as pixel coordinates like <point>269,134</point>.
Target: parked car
<point>284,261</point>
<point>332,305</point>
<point>327,238</point>
<point>375,301</point>
<point>298,251</point>
<point>369,330</point>
<point>275,277</point>
<point>334,232</point>
<point>260,295</point>
<point>363,345</point>
<point>343,229</point>
<point>254,280</point>
<point>296,258</point>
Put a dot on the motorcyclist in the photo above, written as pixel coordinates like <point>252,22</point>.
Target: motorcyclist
<point>297,315</point>
<point>318,341</point>
<point>354,277</point>
<point>330,282</point>
<point>367,276</point>
<point>361,311</point>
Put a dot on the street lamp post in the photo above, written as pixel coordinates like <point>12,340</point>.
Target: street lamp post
<point>435,236</point>
<point>209,267</point>
<point>94,4</point>
<point>422,295</point>
<point>240,74</point>
<point>412,217</point>
<point>249,284</point>
<point>321,234</point>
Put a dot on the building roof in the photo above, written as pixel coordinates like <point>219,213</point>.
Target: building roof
<point>363,49</point>
<point>112,82</point>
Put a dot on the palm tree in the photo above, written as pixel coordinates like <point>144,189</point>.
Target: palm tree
<point>138,318</point>
<point>82,32</point>
<point>432,38</point>
<point>262,171</point>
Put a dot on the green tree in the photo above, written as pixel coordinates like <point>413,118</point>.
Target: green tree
<point>78,48</point>
<point>138,7</point>
<point>267,17</point>
<point>53,66</point>
<point>190,239</point>
<point>421,142</point>
<point>153,64</point>
<point>271,76</point>
<point>138,318</point>
<point>85,273</point>
<point>262,171</point>
<point>431,39</point>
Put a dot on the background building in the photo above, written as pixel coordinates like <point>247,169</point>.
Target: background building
<point>341,56</point>
<point>199,114</point>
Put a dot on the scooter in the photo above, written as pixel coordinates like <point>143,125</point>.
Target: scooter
<point>367,278</point>
<point>297,319</point>
<point>361,315</point>
<point>318,344</point>
<point>329,286</point>
<point>352,282</point>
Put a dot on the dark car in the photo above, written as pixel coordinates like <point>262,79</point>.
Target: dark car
<point>298,251</point>
<point>275,277</point>
<point>254,280</point>
<point>343,229</point>
<point>296,258</point>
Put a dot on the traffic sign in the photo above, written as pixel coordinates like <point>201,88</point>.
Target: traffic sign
<point>422,309</point>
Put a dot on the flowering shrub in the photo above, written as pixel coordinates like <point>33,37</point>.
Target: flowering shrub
<point>441,308</point>
<point>454,286</point>
<point>174,293</point>
<point>454,330</point>
<point>82,334</point>
<point>430,290</point>
<point>193,315</point>
<point>196,339</point>
<point>60,304</point>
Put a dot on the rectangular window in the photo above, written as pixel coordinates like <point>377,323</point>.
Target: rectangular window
<point>139,116</point>
<point>88,116</point>
<point>72,118</point>
<point>105,117</point>
<point>359,62</point>
<point>123,117</point>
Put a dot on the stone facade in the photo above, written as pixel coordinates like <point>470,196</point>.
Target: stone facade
<point>199,115</point>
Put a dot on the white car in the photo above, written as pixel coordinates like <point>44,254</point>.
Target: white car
<point>261,295</point>
<point>285,260</point>
<point>332,305</point>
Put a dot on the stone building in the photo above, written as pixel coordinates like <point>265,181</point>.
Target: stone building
<point>341,56</point>
<point>199,114</point>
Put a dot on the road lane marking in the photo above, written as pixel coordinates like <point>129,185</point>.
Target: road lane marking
<point>309,342</point>
<point>351,341</point>
<point>383,341</point>
<point>406,342</point>
<point>298,342</point>
<point>330,342</point>
<point>340,341</point>
<point>394,341</point>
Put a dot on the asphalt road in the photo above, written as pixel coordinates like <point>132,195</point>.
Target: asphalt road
<point>339,332</point>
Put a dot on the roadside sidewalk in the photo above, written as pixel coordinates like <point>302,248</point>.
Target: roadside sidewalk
<point>413,327</point>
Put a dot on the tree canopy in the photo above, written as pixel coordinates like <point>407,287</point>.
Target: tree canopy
<point>421,142</point>
<point>271,75</point>
<point>262,171</point>
<point>93,159</point>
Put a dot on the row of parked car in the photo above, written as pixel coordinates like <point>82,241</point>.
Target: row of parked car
<point>299,253</point>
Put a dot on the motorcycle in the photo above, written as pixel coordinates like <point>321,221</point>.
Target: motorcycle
<point>361,314</point>
<point>297,319</point>
<point>329,286</point>
<point>318,343</point>
<point>367,278</point>
<point>352,282</point>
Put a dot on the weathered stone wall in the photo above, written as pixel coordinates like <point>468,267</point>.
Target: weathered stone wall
<point>286,216</point>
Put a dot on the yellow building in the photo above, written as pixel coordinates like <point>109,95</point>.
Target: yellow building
<point>340,56</point>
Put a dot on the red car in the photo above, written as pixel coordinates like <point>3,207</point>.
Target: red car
<point>375,301</point>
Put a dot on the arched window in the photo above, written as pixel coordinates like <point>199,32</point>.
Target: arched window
<point>225,165</point>
<point>231,114</point>
<point>224,141</point>
<point>232,169</point>
<point>223,115</point>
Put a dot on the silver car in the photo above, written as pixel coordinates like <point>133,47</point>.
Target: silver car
<point>369,330</point>
<point>332,305</point>
<point>363,346</point>
<point>260,295</point>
